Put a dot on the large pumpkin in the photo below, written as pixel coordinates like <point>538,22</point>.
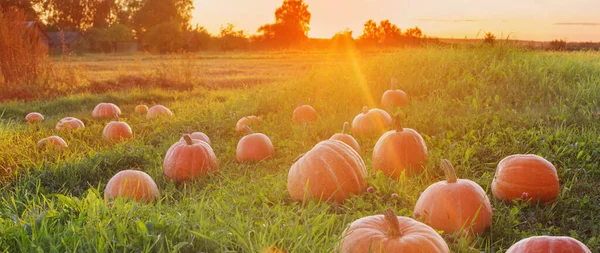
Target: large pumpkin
<point>402,149</point>
<point>198,136</point>
<point>158,111</point>
<point>371,123</point>
<point>55,141</point>
<point>391,233</point>
<point>330,171</point>
<point>393,98</point>
<point>304,114</point>
<point>526,175</point>
<point>141,109</point>
<point>246,121</point>
<point>33,117</point>
<point>106,111</point>
<point>455,206</point>
<point>254,147</point>
<point>117,131</point>
<point>346,138</point>
<point>188,160</point>
<point>131,184</point>
<point>549,244</point>
<point>69,123</point>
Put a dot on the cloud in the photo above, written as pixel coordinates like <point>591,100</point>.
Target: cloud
<point>448,20</point>
<point>578,23</point>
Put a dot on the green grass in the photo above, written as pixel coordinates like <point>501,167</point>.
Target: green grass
<point>472,106</point>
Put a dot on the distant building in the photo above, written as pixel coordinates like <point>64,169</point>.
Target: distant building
<point>63,41</point>
<point>41,33</point>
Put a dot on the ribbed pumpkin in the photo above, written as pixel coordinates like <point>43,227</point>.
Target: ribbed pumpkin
<point>246,121</point>
<point>254,147</point>
<point>141,109</point>
<point>131,184</point>
<point>346,138</point>
<point>549,244</point>
<point>188,160</point>
<point>393,98</point>
<point>402,149</point>
<point>106,111</point>
<point>330,171</point>
<point>69,123</point>
<point>391,233</point>
<point>158,111</point>
<point>55,141</point>
<point>455,206</point>
<point>117,131</point>
<point>304,114</point>
<point>198,136</point>
<point>34,117</point>
<point>529,175</point>
<point>371,123</point>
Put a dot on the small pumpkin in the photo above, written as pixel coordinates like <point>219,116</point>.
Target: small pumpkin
<point>330,171</point>
<point>272,249</point>
<point>548,244</point>
<point>55,141</point>
<point>69,123</point>
<point>455,206</point>
<point>117,131</point>
<point>34,117</point>
<point>526,175</point>
<point>346,138</point>
<point>393,98</point>
<point>158,111</point>
<point>391,233</point>
<point>198,136</point>
<point>188,160</point>
<point>246,121</point>
<point>131,184</point>
<point>254,147</point>
<point>141,109</point>
<point>402,149</point>
<point>372,122</point>
<point>304,114</point>
<point>106,111</point>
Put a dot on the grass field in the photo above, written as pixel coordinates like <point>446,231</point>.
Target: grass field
<point>472,106</point>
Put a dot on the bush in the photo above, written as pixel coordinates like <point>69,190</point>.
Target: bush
<point>558,45</point>
<point>164,38</point>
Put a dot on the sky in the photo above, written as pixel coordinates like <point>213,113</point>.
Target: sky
<point>571,20</point>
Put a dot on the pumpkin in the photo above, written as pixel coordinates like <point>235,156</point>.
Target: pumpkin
<point>106,111</point>
<point>246,121</point>
<point>158,111</point>
<point>272,249</point>
<point>34,117</point>
<point>131,184</point>
<point>402,149</point>
<point>455,206</point>
<point>526,175</point>
<point>188,160</point>
<point>141,109</point>
<point>304,114</point>
<point>548,244</point>
<point>391,233</point>
<point>254,147</point>
<point>372,122</point>
<point>393,98</point>
<point>198,136</point>
<point>117,131</point>
<point>346,138</point>
<point>69,123</point>
<point>55,141</point>
<point>330,171</point>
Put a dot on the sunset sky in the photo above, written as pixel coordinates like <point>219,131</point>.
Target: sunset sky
<point>572,20</point>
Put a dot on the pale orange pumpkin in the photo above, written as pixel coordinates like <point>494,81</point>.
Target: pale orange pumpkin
<point>400,150</point>
<point>246,121</point>
<point>549,244</point>
<point>254,147</point>
<point>391,233</point>
<point>272,249</point>
<point>188,160</point>
<point>371,123</point>
<point>455,206</point>
<point>132,184</point>
<point>346,138</point>
<point>304,114</point>
<point>198,136</point>
<point>141,109</point>
<point>106,111</point>
<point>55,141</point>
<point>526,175</point>
<point>393,98</point>
<point>158,111</point>
<point>69,123</point>
<point>331,171</point>
<point>34,117</point>
<point>117,131</point>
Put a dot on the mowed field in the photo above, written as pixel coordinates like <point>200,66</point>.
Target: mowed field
<point>472,106</point>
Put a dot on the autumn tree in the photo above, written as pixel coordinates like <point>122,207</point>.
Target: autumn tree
<point>291,25</point>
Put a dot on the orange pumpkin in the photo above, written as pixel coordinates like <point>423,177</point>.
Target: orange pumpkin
<point>186,161</point>
<point>55,141</point>
<point>246,121</point>
<point>330,171</point>
<point>69,123</point>
<point>372,122</point>
<point>198,136</point>
<point>131,184</point>
<point>455,206</point>
<point>254,147</point>
<point>393,98</point>
<point>346,138</point>
<point>272,249</point>
<point>549,244</point>
<point>117,131</point>
<point>158,111</point>
<point>141,109</point>
<point>526,175</point>
<point>391,233</point>
<point>304,114</point>
<point>402,149</point>
<point>106,111</point>
<point>34,117</point>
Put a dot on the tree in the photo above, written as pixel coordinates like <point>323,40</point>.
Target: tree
<point>291,25</point>
<point>343,39</point>
<point>77,15</point>
<point>231,39</point>
<point>388,32</point>
<point>164,38</point>
<point>489,38</point>
<point>26,6</point>
<point>370,32</point>
<point>413,32</point>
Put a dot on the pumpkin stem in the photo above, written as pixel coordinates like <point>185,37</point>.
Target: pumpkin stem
<point>365,109</point>
<point>188,139</point>
<point>248,129</point>
<point>448,170</point>
<point>345,128</point>
<point>398,123</point>
<point>394,83</point>
<point>393,223</point>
